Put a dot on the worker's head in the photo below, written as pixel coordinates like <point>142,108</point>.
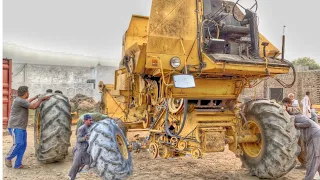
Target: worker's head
<point>58,91</point>
<point>23,92</point>
<point>49,91</point>
<point>291,96</point>
<point>286,101</point>
<point>308,93</point>
<point>87,119</point>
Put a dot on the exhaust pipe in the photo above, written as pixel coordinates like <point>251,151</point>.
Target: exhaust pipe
<point>251,18</point>
<point>283,43</point>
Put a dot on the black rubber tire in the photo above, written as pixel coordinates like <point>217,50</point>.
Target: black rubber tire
<point>103,148</point>
<point>54,128</point>
<point>280,148</point>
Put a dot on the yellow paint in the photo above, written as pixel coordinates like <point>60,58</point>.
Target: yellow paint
<point>122,146</point>
<point>253,149</point>
<point>136,33</point>
<point>171,31</point>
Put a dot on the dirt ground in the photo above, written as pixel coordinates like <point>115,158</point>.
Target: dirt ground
<point>220,166</point>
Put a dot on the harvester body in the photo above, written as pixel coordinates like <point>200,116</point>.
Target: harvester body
<point>206,40</point>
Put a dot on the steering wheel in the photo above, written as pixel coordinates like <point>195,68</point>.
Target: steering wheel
<point>237,3</point>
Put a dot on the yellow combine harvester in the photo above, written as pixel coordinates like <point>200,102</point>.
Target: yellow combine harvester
<point>180,78</point>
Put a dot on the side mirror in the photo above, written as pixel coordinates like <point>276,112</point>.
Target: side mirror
<point>183,81</point>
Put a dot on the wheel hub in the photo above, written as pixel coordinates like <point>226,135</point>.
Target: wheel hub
<point>253,149</point>
<point>122,146</point>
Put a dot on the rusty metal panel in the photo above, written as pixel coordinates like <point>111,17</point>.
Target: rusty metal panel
<point>136,33</point>
<point>6,93</point>
<point>213,139</point>
<point>172,27</point>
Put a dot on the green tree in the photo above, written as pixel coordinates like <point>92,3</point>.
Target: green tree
<point>307,61</point>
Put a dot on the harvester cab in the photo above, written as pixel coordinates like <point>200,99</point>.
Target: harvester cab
<point>229,34</point>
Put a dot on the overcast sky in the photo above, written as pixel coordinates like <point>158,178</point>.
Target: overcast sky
<point>95,28</point>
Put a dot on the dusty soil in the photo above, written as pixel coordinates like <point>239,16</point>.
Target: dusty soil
<point>213,166</point>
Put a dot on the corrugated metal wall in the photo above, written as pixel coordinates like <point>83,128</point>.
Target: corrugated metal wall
<point>7,80</point>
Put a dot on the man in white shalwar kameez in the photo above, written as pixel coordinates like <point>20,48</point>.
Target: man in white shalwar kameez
<point>306,105</point>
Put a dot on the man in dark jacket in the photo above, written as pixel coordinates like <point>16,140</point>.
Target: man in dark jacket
<point>80,155</point>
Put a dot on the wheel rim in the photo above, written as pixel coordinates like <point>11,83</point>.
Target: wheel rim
<point>175,105</point>
<point>153,149</point>
<point>38,128</point>
<point>182,145</point>
<point>122,146</point>
<point>174,141</point>
<point>253,149</point>
<point>146,119</point>
<point>196,153</point>
<point>164,152</point>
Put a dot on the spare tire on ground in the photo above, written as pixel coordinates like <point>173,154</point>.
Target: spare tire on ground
<point>52,129</point>
<point>108,148</point>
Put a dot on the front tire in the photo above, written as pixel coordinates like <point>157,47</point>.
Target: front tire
<point>276,152</point>
<point>108,148</point>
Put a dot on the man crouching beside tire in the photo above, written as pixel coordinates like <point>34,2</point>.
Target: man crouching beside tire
<point>80,155</point>
<point>310,133</point>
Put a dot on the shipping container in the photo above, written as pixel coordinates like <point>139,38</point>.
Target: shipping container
<point>6,93</point>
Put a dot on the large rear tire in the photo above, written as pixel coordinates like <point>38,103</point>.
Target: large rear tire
<point>52,129</point>
<point>108,148</point>
<point>276,152</point>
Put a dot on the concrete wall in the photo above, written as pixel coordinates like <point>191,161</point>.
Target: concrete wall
<point>71,80</point>
<point>305,81</point>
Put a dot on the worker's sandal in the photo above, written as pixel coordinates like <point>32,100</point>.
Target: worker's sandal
<point>8,163</point>
<point>22,167</point>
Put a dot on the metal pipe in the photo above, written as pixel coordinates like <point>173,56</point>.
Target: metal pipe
<point>254,33</point>
<point>283,43</point>
<point>234,29</point>
<point>199,36</point>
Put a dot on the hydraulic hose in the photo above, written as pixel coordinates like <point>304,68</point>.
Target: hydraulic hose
<point>185,111</point>
<point>294,76</point>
